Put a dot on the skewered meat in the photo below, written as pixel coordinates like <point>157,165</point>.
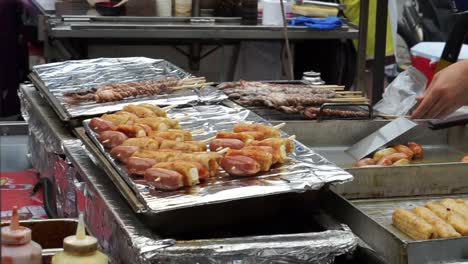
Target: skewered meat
<point>240,166</point>
<point>265,159</point>
<point>122,153</point>
<point>187,169</point>
<point>112,139</point>
<point>164,179</point>
<point>209,160</point>
<point>170,123</point>
<point>132,130</point>
<point>187,146</point>
<point>397,156</point>
<point>365,162</point>
<point>158,156</point>
<point>404,149</point>
<point>99,125</point>
<point>277,144</point>
<point>138,110</point>
<point>221,143</point>
<point>144,143</point>
<point>246,138</point>
<point>173,134</point>
<point>158,111</point>
<point>268,131</point>
<point>119,91</point>
<point>268,149</point>
<point>383,153</point>
<point>138,165</point>
<point>243,88</point>
<point>312,112</point>
<point>117,119</point>
<point>464,159</point>
<point>203,172</point>
<point>417,150</point>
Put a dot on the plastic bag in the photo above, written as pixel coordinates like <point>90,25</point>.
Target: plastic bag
<point>400,96</point>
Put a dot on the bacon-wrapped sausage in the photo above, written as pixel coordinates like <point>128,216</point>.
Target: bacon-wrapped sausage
<point>221,143</point>
<point>265,159</point>
<point>268,131</point>
<point>112,139</point>
<point>187,169</point>
<point>138,166</point>
<point>132,130</point>
<point>100,125</point>
<point>158,111</point>
<point>187,146</point>
<point>138,110</point>
<point>145,143</point>
<point>122,153</point>
<point>240,136</point>
<point>164,179</point>
<point>170,123</point>
<point>240,166</point>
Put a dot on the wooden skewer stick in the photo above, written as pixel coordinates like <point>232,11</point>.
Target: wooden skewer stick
<point>182,118</point>
<point>105,141</point>
<point>344,100</point>
<point>279,126</point>
<point>349,92</point>
<point>169,107</point>
<point>205,141</point>
<point>224,150</point>
<point>197,131</point>
<point>293,137</point>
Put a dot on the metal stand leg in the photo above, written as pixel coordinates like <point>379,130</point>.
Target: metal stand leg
<point>380,47</point>
<point>362,44</point>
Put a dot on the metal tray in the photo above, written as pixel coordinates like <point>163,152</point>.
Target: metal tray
<point>53,79</point>
<point>443,150</point>
<point>370,219</point>
<point>49,233</point>
<point>304,170</point>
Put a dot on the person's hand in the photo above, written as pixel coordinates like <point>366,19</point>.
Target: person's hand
<point>447,92</point>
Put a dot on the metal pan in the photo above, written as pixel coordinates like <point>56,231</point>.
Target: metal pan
<point>441,166</point>
<point>370,219</point>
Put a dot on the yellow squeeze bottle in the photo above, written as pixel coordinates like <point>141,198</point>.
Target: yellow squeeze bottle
<point>80,249</point>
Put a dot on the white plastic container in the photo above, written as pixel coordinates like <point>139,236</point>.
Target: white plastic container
<point>272,12</point>
<point>183,8</point>
<point>164,8</point>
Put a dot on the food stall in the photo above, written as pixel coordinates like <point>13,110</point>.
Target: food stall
<point>306,209</point>
<point>295,196</point>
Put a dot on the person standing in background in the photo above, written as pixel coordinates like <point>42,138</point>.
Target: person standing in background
<point>10,21</point>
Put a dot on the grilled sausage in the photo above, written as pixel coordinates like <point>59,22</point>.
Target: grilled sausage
<point>112,139</point>
<point>122,153</point>
<point>417,150</point>
<point>138,166</point>
<point>384,162</point>
<point>221,143</point>
<point>365,162</point>
<point>240,166</point>
<point>100,125</point>
<point>164,179</point>
<point>383,153</point>
<point>404,149</point>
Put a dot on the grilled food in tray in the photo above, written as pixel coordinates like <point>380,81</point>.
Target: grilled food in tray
<point>296,98</point>
<point>153,145</point>
<point>447,218</point>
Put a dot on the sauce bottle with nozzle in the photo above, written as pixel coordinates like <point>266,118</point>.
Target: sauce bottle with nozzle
<point>17,246</point>
<point>80,249</point>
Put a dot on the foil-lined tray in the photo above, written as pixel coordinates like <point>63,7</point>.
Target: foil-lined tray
<point>55,79</point>
<point>303,170</point>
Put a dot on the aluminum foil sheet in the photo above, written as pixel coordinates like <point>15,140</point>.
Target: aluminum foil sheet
<point>304,170</point>
<point>46,152</point>
<point>126,240</point>
<point>69,76</point>
<point>321,247</point>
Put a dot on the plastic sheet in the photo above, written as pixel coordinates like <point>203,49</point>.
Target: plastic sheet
<point>71,76</point>
<point>400,96</point>
<point>303,170</point>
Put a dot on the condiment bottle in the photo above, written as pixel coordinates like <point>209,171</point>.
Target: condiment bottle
<point>80,249</point>
<point>17,246</point>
